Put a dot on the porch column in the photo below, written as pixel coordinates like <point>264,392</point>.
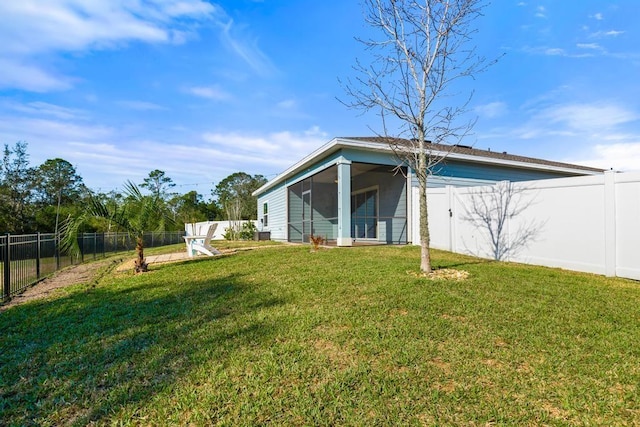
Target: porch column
<point>344,202</point>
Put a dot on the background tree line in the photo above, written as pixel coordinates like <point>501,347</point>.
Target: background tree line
<point>41,198</point>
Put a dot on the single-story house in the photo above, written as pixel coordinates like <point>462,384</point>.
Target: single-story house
<point>351,189</point>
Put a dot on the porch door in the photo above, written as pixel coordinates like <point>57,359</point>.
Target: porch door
<point>306,216</point>
<point>364,214</point>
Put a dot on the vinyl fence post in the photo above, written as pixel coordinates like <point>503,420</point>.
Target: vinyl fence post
<point>6,291</point>
<point>610,262</point>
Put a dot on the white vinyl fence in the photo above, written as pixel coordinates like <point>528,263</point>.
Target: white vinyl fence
<point>589,223</point>
<point>201,228</point>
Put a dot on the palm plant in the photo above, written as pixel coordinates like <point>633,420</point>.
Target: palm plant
<point>137,214</point>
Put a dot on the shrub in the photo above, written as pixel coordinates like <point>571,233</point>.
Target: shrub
<point>243,232</point>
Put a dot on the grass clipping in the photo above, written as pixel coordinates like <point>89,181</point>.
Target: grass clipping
<point>443,274</point>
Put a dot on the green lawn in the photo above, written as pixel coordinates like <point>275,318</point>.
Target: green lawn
<point>339,337</point>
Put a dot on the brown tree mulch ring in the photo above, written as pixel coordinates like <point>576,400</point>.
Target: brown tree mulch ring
<point>443,274</point>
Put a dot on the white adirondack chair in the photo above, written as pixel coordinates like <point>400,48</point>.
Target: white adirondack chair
<point>202,244</point>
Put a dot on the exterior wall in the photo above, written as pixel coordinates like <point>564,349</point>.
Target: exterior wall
<point>458,174</point>
<point>477,171</point>
<point>588,223</point>
<point>276,199</point>
<point>372,157</point>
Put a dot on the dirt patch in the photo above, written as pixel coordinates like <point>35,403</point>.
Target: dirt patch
<point>74,275</point>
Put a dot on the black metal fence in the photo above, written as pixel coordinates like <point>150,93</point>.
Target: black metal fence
<point>26,258</point>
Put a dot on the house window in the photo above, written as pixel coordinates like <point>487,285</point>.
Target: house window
<point>265,215</point>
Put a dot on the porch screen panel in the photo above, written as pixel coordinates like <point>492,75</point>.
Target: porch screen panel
<point>295,213</point>
<point>364,215</point>
<point>306,215</point>
<point>324,203</point>
<point>371,218</point>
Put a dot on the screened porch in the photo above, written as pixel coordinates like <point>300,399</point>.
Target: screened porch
<point>377,208</point>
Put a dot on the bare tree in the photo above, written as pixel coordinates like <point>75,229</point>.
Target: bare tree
<point>492,208</point>
<point>423,49</point>
<point>233,209</point>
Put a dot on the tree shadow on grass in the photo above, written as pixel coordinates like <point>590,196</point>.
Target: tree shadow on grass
<point>81,358</point>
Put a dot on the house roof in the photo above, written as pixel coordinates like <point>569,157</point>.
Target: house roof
<point>454,152</point>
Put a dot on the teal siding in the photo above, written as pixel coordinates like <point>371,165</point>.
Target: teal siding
<point>458,169</point>
<point>463,174</point>
<point>372,157</point>
<point>277,222</point>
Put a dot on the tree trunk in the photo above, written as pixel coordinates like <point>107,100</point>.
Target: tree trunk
<point>422,173</point>
<point>425,254</point>
<point>141,265</point>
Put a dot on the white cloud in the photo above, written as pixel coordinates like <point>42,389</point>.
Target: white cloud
<point>541,12</point>
<point>599,134</point>
<point>554,51</point>
<point>140,105</point>
<point>18,128</point>
<point>491,110</point>
<point>280,149</point>
<point>247,50</point>
<point>623,156</point>
<point>598,16</point>
<point>38,108</point>
<point>610,33</point>
<point>588,117</point>
<point>287,104</point>
<point>33,28</point>
<point>17,74</point>
<point>107,156</point>
<point>208,92</point>
<point>591,46</point>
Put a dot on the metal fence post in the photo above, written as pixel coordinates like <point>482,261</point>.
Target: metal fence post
<point>38,255</point>
<point>81,242</point>
<point>56,250</point>
<point>7,268</point>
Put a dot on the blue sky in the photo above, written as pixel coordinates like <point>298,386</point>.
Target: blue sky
<point>203,89</point>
